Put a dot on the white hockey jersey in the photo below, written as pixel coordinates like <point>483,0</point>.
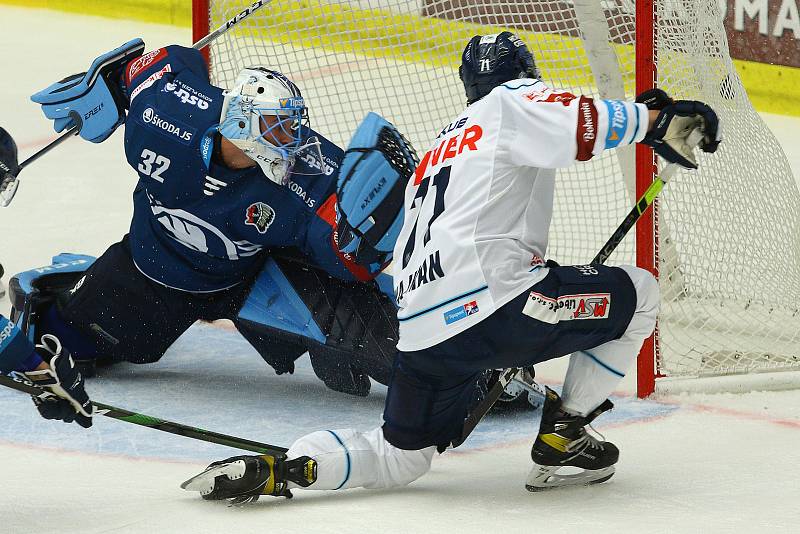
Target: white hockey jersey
<point>478,210</point>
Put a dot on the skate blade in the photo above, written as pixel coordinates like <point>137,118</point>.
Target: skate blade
<point>545,477</point>
<point>205,481</point>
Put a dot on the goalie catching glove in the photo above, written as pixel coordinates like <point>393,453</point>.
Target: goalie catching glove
<point>674,125</point>
<point>65,397</point>
<point>93,100</point>
<point>370,190</point>
<point>245,478</point>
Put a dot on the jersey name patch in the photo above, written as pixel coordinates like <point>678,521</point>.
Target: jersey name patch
<point>567,307</point>
<point>260,215</point>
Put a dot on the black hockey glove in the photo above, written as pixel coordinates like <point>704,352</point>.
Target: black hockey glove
<point>655,99</point>
<point>675,123</point>
<point>9,167</point>
<point>66,398</point>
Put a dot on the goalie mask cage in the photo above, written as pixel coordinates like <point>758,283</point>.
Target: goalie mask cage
<point>722,240</point>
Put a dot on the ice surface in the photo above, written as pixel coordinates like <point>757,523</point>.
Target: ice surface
<point>690,463</point>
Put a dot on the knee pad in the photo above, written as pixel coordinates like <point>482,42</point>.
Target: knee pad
<point>648,298</point>
<point>33,293</point>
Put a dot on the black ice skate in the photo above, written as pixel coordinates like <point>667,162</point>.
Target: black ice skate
<point>245,478</point>
<point>563,444</point>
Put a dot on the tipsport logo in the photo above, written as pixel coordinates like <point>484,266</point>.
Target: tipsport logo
<point>465,310</point>
<point>292,102</point>
<point>5,333</point>
<point>617,122</point>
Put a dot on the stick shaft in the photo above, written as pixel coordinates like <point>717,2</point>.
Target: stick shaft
<point>633,216</point>
<point>155,422</point>
<point>208,39</point>
<point>66,135</point>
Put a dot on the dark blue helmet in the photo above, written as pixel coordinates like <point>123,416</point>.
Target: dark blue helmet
<point>492,60</point>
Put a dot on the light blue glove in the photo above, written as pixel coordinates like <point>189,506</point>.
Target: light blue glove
<point>370,190</point>
<point>93,100</point>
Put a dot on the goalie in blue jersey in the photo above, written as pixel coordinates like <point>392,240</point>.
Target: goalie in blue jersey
<point>236,216</point>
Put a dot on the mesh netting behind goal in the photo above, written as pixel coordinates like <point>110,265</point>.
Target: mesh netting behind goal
<point>727,234</point>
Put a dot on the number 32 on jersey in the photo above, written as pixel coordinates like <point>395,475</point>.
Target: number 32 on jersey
<point>153,165</point>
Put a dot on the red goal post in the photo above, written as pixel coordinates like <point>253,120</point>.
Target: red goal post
<point>726,253</point>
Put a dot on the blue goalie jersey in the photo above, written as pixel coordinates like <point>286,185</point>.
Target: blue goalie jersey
<point>197,225</point>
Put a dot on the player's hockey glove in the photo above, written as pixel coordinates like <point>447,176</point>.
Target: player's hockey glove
<point>675,123</point>
<point>93,100</point>
<point>370,191</point>
<point>246,478</point>
<point>655,99</point>
<point>66,399</point>
<point>9,167</point>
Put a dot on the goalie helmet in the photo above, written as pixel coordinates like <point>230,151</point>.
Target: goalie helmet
<point>492,60</point>
<point>265,116</point>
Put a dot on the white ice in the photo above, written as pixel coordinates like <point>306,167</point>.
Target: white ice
<point>690,463</point>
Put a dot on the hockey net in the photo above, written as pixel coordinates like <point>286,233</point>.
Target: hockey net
<point>726,236</point>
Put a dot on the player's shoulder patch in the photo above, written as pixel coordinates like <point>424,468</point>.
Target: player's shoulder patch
<point>261,215</point>
<point>140,64</point>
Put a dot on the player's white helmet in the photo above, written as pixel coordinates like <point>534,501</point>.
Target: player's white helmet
<point>265,116</point>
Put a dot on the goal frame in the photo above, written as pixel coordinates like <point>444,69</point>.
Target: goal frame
<point>646,247</point>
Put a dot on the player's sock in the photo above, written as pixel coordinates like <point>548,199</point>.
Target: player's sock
<point>564,442</point>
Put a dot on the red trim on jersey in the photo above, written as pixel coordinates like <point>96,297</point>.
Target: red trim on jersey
<point>138,65</point>
<point>327,212</point>
<point>586,133</point>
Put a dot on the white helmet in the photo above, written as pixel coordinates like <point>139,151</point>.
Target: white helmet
<point>262,106</point>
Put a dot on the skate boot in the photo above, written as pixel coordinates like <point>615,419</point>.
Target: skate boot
<point>245,478</point>
<point>564,444</point>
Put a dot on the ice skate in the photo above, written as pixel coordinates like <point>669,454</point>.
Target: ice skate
<point>564,453</point>
<point>245,478</point>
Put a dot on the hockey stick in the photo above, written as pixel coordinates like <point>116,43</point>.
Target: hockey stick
<point>646,200</point>
<point>10,182</point>
<point>23,385</point>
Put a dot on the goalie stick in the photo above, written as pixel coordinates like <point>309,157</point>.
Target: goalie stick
<point>10,182</point>
<point>25,386</point>
<point>646,200</point>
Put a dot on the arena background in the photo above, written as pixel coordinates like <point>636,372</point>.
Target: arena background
<point>762,35</point>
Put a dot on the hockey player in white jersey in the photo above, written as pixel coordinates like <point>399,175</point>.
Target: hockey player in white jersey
<point>475,292</point>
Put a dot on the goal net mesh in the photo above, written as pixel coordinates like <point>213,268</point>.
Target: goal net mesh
<point>727,233</point>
